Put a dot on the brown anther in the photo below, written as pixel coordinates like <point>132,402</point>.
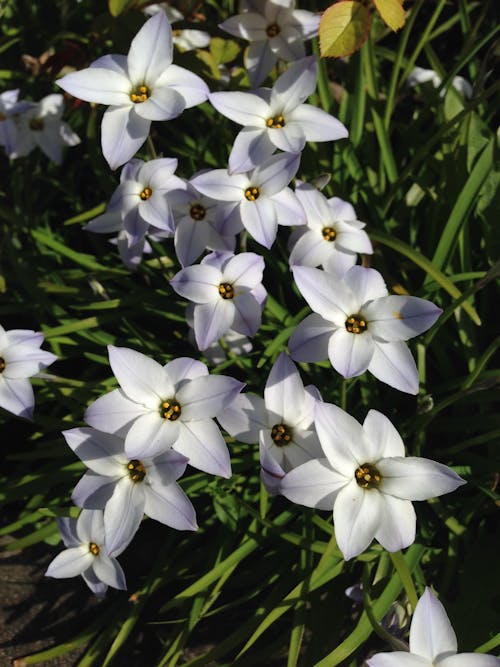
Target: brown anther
<point>36,124</point>
<point>226,291</point>
<point>136,470</point>
<point>367,476</point>
<point>2,364</point>
<point>281,434</point>
<point>356,324</point>
<point>329,233</point>
<point>140,94</point>
<point>146,194</point>
<point>252,193</point>
<point>170,409</point>
<point>273,30</point>
<point>2,117</point>
<point>276,122</point>
<point>197,212</point>
<point>93,548</point>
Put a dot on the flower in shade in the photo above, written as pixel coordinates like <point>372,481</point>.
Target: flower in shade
<point>332,236</point>
<point>20,358</point>
<point>127,488</point>
<point>277,118</point>
<point>86,554</point>
<point>140,204</point>
<point>187,39</point>
<point>259,196</point>
<point>275,31</point>
<point>42,125</point>
<point>225,289</point>
<point>433,642</point>
<point>367,480</point>
<point>10,107</point>
<point>140,87</point>
<point>166,406</point>
<point>420,75</point>
<point>359,327</point>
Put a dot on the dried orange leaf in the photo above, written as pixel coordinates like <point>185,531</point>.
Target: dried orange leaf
<point>343,29</point>
<point>392,12</point>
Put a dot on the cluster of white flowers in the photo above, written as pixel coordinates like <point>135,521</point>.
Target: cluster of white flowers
<point>141,436</point>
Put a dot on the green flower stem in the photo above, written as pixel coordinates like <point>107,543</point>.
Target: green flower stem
<point>402,569</point>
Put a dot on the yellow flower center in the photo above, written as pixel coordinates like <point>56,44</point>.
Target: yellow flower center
<point>273,30</point>
<point>356,324</point>
<point>136,470</point>
<point>146,194</point>
<point>170,409</point>
<point>140,94</point>
<point>329,233</point>
<point>276,122</point>
<point>252,193</point>
<point>93,548</point>
<point>226,291</point>
<point>281,435</point>
<point>2,364</point>
<point>367,476</point>
<point>197,212</point>
<point>36,124</point>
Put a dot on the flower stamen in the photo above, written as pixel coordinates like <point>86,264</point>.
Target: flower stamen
<point>136,470</point>
<point>93,548</point>
<point>276,122</point>
<point>367,476</point>
<point>226,291</point>
<point>329,233</point>
<point>273,30</point>
<point>140,94</point>
<point>281,434</point>
<point>170,409</point>
<point>2,364</point>
<point>252,193</point>
<point>356,324</point>
<point>146,194</point>
<point>197,212</point>
<point>36,124</point>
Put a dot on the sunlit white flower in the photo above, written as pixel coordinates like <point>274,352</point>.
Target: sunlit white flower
<point>275,31</point>
<point>433,642</point>
<point>260,197</point>
<point>141,203</point>
<point>277,118</point>
<point>140,87</point>
<point>332,236</point>
<point>86,554</point>
<point>20,358</point>
<point>420,75</point>
<point>359,327</point>
<point>367,480</point>
<point>127,488</point>
<point>10,107</point>
<point>41,126</point>
<point>166,406</point>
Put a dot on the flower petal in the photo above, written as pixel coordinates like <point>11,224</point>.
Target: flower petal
<point>250,148</point>
<point>341,438</point>
<point>70,562</point>
<point>101,452</point>
<point>113,411</point>
<point>295,85</point>
<point>142,379</point>
<point>123,514</point>
<point>309,250</point>
<point>309,341</point>
<point>384,438</point>
<point>170,505</point>
<point>122,134</point>
<point>393,364</point>
<point>150,52</point>
<point>259,218</point>
<point>397,659</point>
<point>366,284</point>
<point>249,25</point>
<point>275,173</point>
<point>395,317</point>
<point>199,283</point>
<point>244,417</point>
<point>245,109</point>
<point>150,435</point>
<point>397,525</point>
<point>431,633</point>
<point>109,571</point>
<point>318,125</point>
<point>218,184</point>
<point>313,484</point>
<point>206,396</point>
<point>93,491</point>
<point>469,660</point>
<point>212,320</point>
<point>247,315</point>
<point>284,393</point>
<point>356,516</point>
<point>191,87</point>
<point>324,293</point>
<point>98,84</point>
<point>350,354</point>
<point>163,104</point>
<point>202,442</point>
<point>190,240</point>
<point>16,396</point>
<point>259,61</point>
<point>415,478</point>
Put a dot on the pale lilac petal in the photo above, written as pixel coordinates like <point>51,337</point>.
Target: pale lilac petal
<point>23,360</point>
<point>243,108</point>
<point>156,211</point>
<point>398,522</point>
<point>170,505</point>
<point>16,396</point>
<point>105,223</point>
<point>309,341</point>
<point>338,262</point>
<point>393,364</point>
<point>250,26</point>
<point>93,491</point>
<point>318,125</point>
<point>244,417</point>
<point>290,138</point>
<point>202,442</point>
<point>90,526</point>
<point>337,431</point>
<point>191,87</point>
<point>166,468</point>
<point>218,184</point>
<point>109,571</point>
<point>343,211</point>
<point>206,396</point>
<point>199,283</point>
<point>356,516</point>
<point>306,22</point>
<point>310,250</point>
<point>150,435</point>
<point>190,240</point>
<point>123,514</point>
<point>212,321</point>
<point>284,391</point>
<point>101,452</point>
<point>469,660</point>
<point>96,84</point>
<point>150,52</point>
<point>366,284</point>
<point>244,270</point>
<point>400,317</point>
<point>67,528</point>
<point>288,208</point>
<point>18,336</point>
<point>259,218</point>
<point>306,446</point>
<point>112,61</point>
<point>313,484</point>
<point>122,134</point>
<point>431,633</point>
<point>259,61</point>
<point>247,315</point>
<point>275,173</point>
<point>350,354</point>
<point>70,562</point>
<point>184,369</point>
<point>383,437</point>
<point>271,473</point>
<point>94,583</point>
<point>415,478</point>
<point>324,293</point>
<point>112,412</point>
<point>294,86</point>
<point>397,659</point>
<point>315,203</point>
<point>142,379</point>
<point>163,104</point>
<point>250,148</point>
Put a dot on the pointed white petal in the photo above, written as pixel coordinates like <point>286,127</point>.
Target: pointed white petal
<point>123,514</point>
<point>250,26</point>
<point>122,134</point>
<point>170,505</point>
<point>324,293</point>
<point>341,438</point>
<point>284,391</point>
<point>24,360</point>
<point>310,250</point>
<point>469,660</point>
<point>313,484</point>
<point>101,452</point>
<point>16,396</point>
<point>259,61</point>
<point>93,491</point>
<point>218,184</point>
<point>163,104</point>
<point>250,149</point>
<point>244,270</point>
<point>96,84</point>
<point>94,583</point>
<point>142,379</point>
<point>244,417</point>
<point>431,633</point>
<point>70,562</point>
<point>212,320</point>
<point>67,528</point>
<point>415,478</point>
<point>90,526</point>
<point>356,516</point>
<point>247,315</point>
<point>295,85</point>
<point>383,437</point>
<point>191,87</point>
<point>393,364</point>
<point>243,108</point>
<point>166,468</point>
<point>397,525</point>
<point>318,125</point>
<point>203,444</point>
<point>288,208</point>
<point>400,317</point>
<point>366,284</point>
<point>397,659</point>
<point>113,411</point>
<point>109,571</point>
<point>150,52</point>
<point>309,341</point>
<point>150,435</point>
<point>206,396</point>
<point>290,138</point>
<point>259,218</point>
<point>199,283</point>
<point>190,240</point>
<point>350,354</point>
<point>275,173</point>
